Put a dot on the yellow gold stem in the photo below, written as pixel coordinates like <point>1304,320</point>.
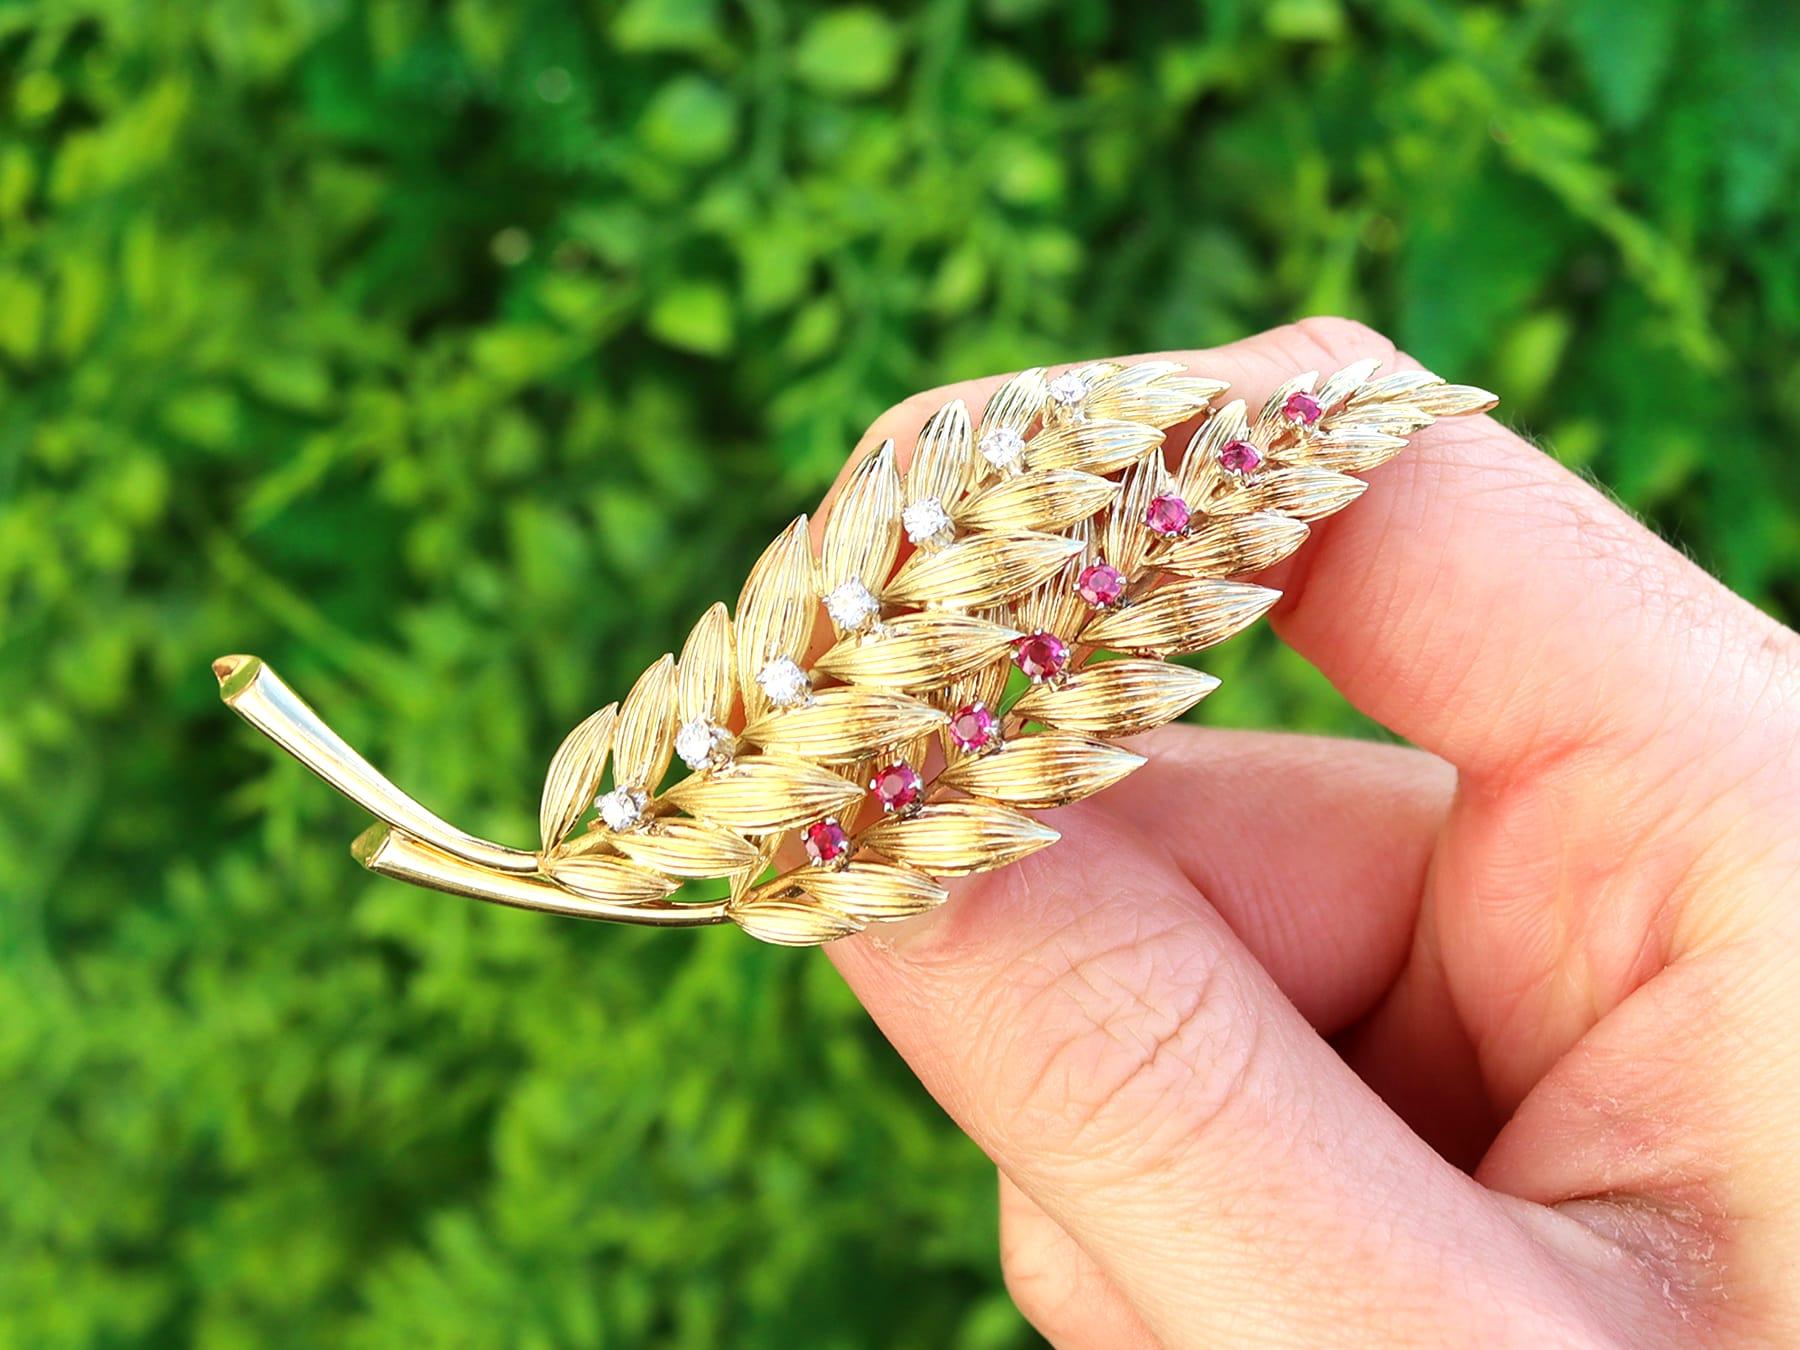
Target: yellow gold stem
<point>263,699</point>
<point>393,853</point>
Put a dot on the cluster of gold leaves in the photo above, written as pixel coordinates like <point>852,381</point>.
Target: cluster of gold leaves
<point>950,614</point>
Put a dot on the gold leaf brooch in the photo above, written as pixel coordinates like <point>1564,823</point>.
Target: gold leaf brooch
<point>868,723</point>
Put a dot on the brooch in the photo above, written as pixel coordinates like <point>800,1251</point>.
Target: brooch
<point>962,646</point>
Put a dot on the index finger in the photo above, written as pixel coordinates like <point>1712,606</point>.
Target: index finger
<point>1482,601</point>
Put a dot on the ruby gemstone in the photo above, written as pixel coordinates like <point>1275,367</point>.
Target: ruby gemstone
<point>1100,584</point>
<point>974,727</point>
<point>1167,515</point>
<point>1301,407</point>
<point>1240,458</point>
<point>1042,656</point>
<point>897,786</point>
<point>826,842</point>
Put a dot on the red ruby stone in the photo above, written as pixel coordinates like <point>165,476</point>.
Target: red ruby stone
<point>897,786</point>
<point>1167,515</point>
<point>1100,584</point>
<point>974,727</point>
<point>825,841</point>
<point>1301,407</point>
<point>1041,656</point>
<point>1240,458</point>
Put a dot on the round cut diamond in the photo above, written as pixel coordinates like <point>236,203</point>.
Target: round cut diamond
<point>897,786</point>
<point>784,682</point>
<point>621,809</point>
<point>1301,408</point>
<point>826,843</point>
<point>1068,393</point>
<point>927,522</point>
<point>1042,656</point>
<point>974,728</point>
<point>851,605</point>
<point>703,744</point>
<point>1100,584</point>
<point>1167,515</point>
<point>1240,458</point>
<point>1004,448</point>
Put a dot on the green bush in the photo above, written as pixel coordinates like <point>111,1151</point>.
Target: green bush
<point>411,344</point>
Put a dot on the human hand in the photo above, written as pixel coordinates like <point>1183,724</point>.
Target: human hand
<point>1496,1041</point>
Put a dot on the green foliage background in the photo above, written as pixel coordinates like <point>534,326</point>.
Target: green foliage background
<point>414,344</point>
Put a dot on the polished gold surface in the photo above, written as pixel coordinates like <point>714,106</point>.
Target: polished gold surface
<point>258,695</point>
<point>1057,475</point>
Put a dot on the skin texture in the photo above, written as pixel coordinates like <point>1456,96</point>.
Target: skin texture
<point>1496,1041</point>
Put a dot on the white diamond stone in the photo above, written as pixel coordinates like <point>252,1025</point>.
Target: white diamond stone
<point>621,809</point>
<point>927,522</point>
<point>1068,392</point>
<point>703,744</point>
<point>1004,448</point>
<point>851,605</point>
<point>784,682</point>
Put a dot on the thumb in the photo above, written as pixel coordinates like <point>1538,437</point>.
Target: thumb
<point>1102,1034</point>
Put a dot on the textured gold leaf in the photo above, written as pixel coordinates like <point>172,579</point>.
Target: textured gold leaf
<point>574,776</point>
<point>1044,499</point>
<point>980,570</point>
<point>1048,769</point>
<point>1303,492</point>
<point>1015,404</point>
<point>1117,697</point>
<point>1341,387</point>
<point>1352,449</point>
<point>1402,384</point>
<point>1401,418</point>
<point>1182,616</point>
<point>872,891</point>
<point>1200,475</point>
<point>1126,538</point>
<point>862,535</point>
<point>844,724</point>
<point>763,793</point>
<point>919,651</point>
<point>1232,546</point>
<point>645,736</point>
<point>944,460</point>
<point>775,611</point>
<point>1055,607</point>
<point>788,918</point>
<point>746,878</point>
<point>1095,446</point>
<point>1453,400</point>
<point>956,838</point>
<point>705,677</point>
<point>1160,393</point>
<point>1271,423</point>
<point>686,848</point>
<point>602,878</point>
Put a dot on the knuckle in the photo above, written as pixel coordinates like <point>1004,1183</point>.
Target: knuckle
<point>1126,1054</point>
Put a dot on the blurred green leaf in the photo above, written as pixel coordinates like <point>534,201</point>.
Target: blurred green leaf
<point>694,316</point>
<point>1626,56</point>
<point>854,50</point>
<point>665,25</point>
<point>690,121</point>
